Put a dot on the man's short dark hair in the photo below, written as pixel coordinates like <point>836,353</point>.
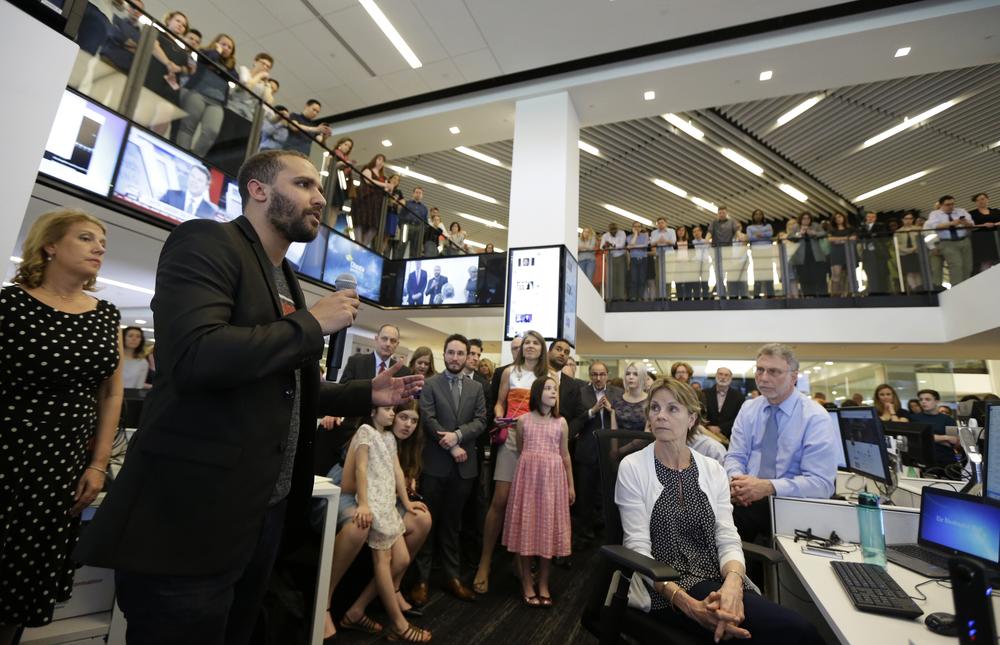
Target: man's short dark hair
<point>202,169</point>
<point>460,338</point>
<point>416,188</point>
<point>559,340</point>
<point>976,196</point>
<point>934,393</point>
<point>384,325</point>
<point>264,56</point>
<point>279,108</point>
<point>944,198</point>
<point>195,32</point>
<point>264,167</point>
<point>275,81</point>
<point>476,342</point>
<point>596,363</point>
<point>311,101</point>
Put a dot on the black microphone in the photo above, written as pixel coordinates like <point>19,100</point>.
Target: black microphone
<point>335,350</point>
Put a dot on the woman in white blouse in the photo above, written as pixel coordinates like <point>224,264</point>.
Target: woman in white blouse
<point>135,367</point>
<point>675,507</point>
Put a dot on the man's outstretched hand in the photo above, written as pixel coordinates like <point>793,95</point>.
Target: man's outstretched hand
<point>389,389</point>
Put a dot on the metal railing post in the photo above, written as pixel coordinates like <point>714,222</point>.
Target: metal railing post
<point>137,72</point>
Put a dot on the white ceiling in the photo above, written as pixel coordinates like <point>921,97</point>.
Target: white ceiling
<point>458,41</point>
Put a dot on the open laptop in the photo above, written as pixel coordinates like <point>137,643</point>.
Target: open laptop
<point>951,524</point>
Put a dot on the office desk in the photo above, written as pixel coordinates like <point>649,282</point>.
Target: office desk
<point>854,627</point>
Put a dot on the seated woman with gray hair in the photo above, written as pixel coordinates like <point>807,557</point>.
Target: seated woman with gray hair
<point>675,508</point>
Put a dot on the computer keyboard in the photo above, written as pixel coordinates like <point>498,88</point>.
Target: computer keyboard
<point>872,589</point>
<point>920,553</point>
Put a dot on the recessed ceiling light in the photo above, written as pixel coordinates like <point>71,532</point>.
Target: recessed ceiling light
<point>475,154</point>
<point>908,123</point>
<point>406,172</point>
<point>828,363</point>
<point>890,186</point>
<point>480,245</point>
<point>391,33</point>
<point>455,130</point>
<point>386,143</point>
<point>629,215</point>
<point>649,95</point>
<point>902,51</point>
<point>125,285</point>
<point>483,221</point>
<point>586,147</point>
<point>799,109</point>
<point>766,75</point>
<point>667,186</point>
<point>683,125</point>
<point>741,161</point>
<point>470,193</point>
<point>707,205</point>
<point>140,322</point>
<point>788,189</point>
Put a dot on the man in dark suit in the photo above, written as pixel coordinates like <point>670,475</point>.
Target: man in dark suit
<point>193,523</point>
<point>569,388</point>
<point>416,282</point>
<point>595,402</point>
<point>472,362</point>
<point>722,403</point>
<point>365,366</point>
<point>453,408</point>
<point>435,286</point>
<point>875,240</point>
<point>194,200</point>
<point>474,513</point>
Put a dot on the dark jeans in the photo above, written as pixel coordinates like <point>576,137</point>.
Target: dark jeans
<point>637,273</point>
<point>766,621</point>
<point>217,609</point>
<point>753,521</point>
<point>445,498</point>
<point>588,483</point>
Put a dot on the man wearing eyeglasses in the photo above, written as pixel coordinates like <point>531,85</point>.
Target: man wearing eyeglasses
<point>783,443</point>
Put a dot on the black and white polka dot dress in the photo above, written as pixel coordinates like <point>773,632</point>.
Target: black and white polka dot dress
<point>51,364</point>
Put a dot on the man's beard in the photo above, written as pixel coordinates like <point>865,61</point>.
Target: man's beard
<point>286,218</point>
<point>461,368</point>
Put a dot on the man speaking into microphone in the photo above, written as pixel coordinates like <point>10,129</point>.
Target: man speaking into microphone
<point>224,455</point>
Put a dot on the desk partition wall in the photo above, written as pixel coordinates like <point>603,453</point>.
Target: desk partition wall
<point>824,516</point>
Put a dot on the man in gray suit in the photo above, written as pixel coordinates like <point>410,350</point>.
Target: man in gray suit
<point>595,401</point>
<point>453,408</point>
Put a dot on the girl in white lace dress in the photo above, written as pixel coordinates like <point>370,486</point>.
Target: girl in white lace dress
<point>380,482</point>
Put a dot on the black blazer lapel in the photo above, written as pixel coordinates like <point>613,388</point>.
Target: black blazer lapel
<point>265,264</point>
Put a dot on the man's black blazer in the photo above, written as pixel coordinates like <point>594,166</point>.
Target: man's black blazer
<point>362,366</point>
<point>200,472</point>
<point>725,417</point>
<point>415,285</point>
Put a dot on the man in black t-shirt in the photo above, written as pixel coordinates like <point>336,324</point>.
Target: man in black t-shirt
<point>315,130</point>
<point>944,445</point>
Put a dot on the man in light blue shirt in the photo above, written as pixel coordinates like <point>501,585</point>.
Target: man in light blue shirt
<point>783,443</point>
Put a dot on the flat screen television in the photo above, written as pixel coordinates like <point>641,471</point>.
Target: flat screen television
<point>343,255</point>
<point>164,181</point>
<point>307,257</point>
<point>441,281</point>
<point>541,292</point>
<point>83,144</point>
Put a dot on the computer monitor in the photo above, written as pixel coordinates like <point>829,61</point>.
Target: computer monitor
<point>919,441</point>
<point>864,444</point>
<point>991,461</point>
<point>841,461</point>
<point>960,524</point>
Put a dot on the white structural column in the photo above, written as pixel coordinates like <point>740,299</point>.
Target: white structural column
<point>545,176</point>
<point>44,59</point>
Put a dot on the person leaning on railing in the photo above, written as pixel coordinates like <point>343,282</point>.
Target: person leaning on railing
<point>760,234</point>
<point>954,247</point>
<point>205,96</point>
<point>908,241</point>
<point>809,259</point>
<point>985,245</point>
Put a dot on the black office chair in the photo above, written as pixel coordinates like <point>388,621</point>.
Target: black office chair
<point>610,619</point>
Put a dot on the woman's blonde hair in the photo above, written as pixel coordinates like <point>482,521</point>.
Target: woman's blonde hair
<point>49,229</point>
<point>683,394</point>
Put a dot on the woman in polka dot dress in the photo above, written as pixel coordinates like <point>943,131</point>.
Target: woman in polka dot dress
<point>61,387</point>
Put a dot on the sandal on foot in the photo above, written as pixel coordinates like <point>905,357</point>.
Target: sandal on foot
<point>531,601</point>
<point>364,624</point>
<point>411,634</point>
<point>545,602</point>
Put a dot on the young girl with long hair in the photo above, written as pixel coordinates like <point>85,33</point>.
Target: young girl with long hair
<point>537,522</point>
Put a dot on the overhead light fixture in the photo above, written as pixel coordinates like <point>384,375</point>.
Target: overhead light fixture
<point>482,220</point>
<point>902,51</point>
<point>475,154</point>
<point>470,193</point>
<point>895,184</point>
<point>741,161</point>
<point>140,322</point>
<point>649,95</point>
<point>908,123</point>
<point>455,130</point>
<point>386,143</point>
<point>586,147</point>
<point>793,192</point>
<point>149,329</point>
<point>667,186</point>
<point>480,245</point>
<point>828,363</point>
<point>391,33</point>
<point>629,215</point>
<point>707,205</point>
<point>579,230</point>
<point>345,208</point>
<point>125,285</point>
<point>799,109</point>
<point>684,126</point>
<point>406,172</point>
<point>766,75</point>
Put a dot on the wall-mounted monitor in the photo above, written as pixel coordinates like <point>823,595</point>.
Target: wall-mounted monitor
<point>307,257</point>
<point>541,292</point>
<point>167,182</point>
<point>346,256</point>
<point>83,144</point>
<point>441,281</point>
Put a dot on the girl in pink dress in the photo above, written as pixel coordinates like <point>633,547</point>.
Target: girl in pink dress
<point>537,522</point>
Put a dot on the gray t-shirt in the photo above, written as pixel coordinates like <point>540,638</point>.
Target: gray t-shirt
<point>284,483</point>
<point>723,231</point>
